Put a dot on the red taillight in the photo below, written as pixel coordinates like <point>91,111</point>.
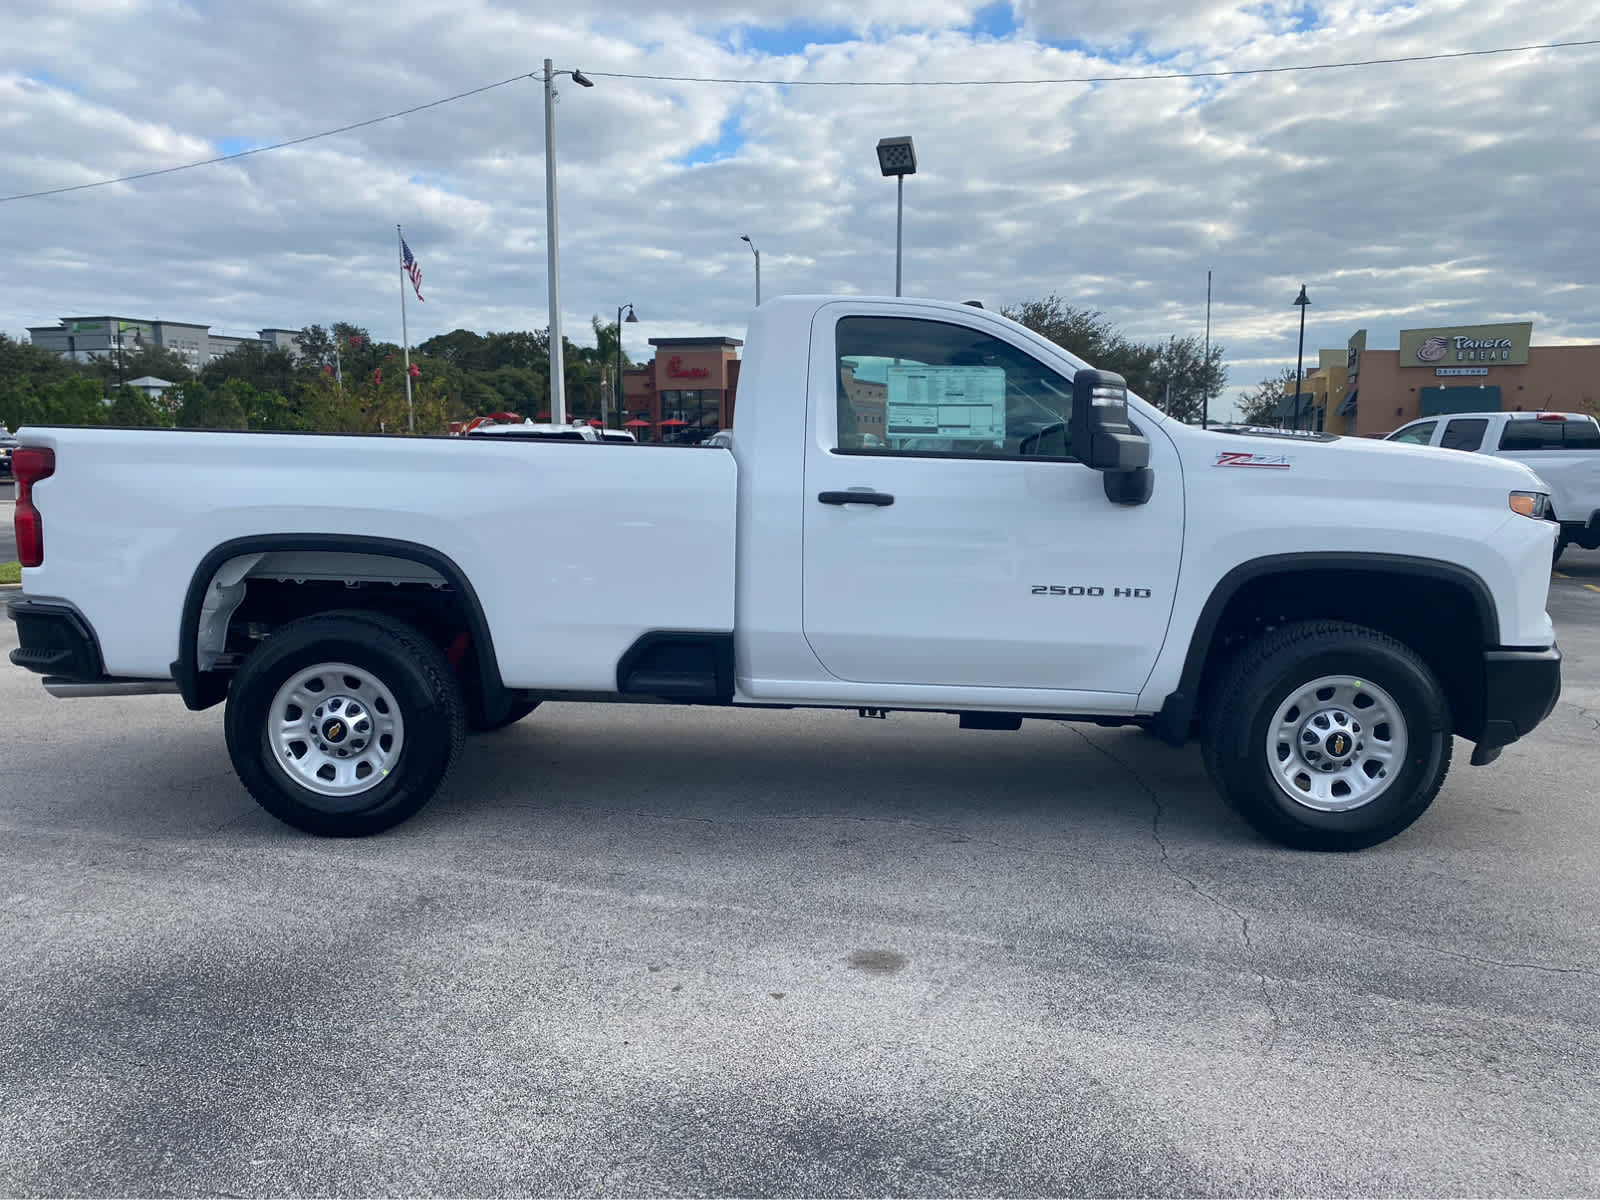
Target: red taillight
<point>29,464</point>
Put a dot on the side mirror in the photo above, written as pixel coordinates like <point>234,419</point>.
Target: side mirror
<point>1103,438</point>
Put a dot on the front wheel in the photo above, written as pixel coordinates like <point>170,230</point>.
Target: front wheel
<point>344,724</point>
<point>1328,736</point>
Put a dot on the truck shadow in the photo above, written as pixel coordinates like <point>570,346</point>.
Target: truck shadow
<point>1041,781</point>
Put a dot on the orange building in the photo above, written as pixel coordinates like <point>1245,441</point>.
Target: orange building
<point>685,393</point>
<point>1463,368</point>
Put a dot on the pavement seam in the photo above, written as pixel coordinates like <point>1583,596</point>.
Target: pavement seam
<point>1237,913</point>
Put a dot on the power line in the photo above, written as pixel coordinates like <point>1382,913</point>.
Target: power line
<point>1328,66</point>
<point>310,137</point>
<point>1170,75</point>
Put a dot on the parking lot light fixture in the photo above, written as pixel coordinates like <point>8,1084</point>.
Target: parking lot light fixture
<point>744,237</point>
<point>1300,360</point>
<point>558,393</point>
<point>631,320</point>
<point>897,157</point>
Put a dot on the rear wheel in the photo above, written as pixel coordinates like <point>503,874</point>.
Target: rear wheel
<point>1328,736</point>
<point>344,724</point>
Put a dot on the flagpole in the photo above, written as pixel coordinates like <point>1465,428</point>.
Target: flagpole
<point>405,334</point>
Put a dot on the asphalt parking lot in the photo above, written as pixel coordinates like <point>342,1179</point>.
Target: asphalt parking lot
<point>640,951</point>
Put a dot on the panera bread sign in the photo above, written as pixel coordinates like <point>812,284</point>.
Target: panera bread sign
<point>1506,345</point>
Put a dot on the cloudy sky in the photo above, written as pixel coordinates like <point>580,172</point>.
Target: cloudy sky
<point>1402,195</point>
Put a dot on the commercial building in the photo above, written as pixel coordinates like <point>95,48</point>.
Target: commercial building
<point>685,393</point>
<point>1445,369</point>
<point>81,338</point>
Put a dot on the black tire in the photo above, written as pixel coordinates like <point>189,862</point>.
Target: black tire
<point>1561,544</point>
<point>392,657</point>
<point>1265,675</point>
<point>478,721</point>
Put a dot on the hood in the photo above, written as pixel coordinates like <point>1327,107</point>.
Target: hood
<point>1358,459</point>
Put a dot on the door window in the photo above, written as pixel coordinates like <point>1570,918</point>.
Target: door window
<point>915,387</point>
<point>1416,435</point>
<point>1465,433</point>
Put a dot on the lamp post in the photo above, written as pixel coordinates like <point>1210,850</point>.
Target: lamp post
<point>632,320</point>
<point>558,391</point>
<point>744,237</point>
<point>1301,302</point>
<point>897,157</point>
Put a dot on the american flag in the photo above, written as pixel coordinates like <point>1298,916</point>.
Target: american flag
<point>410,267</point>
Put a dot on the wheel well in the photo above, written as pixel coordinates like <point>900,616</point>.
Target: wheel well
<point>242,593</point>
<point>1434,615</point>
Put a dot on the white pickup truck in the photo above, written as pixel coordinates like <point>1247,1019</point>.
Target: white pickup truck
<point>925,507</point>
<point>1562,448</point>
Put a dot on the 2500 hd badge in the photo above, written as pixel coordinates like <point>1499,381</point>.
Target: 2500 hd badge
<point>1057,589</point>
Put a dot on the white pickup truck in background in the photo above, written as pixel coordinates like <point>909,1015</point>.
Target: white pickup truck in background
<point>1563,449</point>
<point>925,506</point>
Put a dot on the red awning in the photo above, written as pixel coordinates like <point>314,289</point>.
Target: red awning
<point>636,425</point>
<point>673,421</point>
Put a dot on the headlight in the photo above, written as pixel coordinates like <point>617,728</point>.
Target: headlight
<point>1531,504</point>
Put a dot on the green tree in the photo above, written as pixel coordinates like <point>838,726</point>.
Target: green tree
<point>1259,405</point>
<point>131,407</point>
<point>1182,379</point>
<point>24,360</point>
<point>316,347</point>
<point>74,401</point>
<point>138,360</point>
<point>1092,337</point>
<point>223,407</point>
<point>263,367</point>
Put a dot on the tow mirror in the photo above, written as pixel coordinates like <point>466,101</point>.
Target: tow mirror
<point>1104,438</point>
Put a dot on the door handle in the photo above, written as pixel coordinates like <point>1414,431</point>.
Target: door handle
<point>857,496</point>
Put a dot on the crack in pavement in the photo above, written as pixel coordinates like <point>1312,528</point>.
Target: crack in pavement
<point>1237,913</point>
<point>1475,958</point>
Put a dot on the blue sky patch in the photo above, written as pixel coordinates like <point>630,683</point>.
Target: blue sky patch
<point>996,20</point>
<point>790,39</point>
<point>236,145</point>
<point>55,81</point>
<point>726,146</point>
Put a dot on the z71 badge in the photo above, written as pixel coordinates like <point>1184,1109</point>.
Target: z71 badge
<point>1243,458</point>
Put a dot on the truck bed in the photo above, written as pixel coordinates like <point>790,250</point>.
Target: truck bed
<point>581,547</point>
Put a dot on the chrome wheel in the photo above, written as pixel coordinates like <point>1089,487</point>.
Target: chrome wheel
<point>1336,743</point>
<point>335,729</point>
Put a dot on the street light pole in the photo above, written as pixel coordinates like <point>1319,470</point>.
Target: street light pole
<point>632,320</point>
<point>1303,303</point>
<point>746,238</point>
<point>558,394</point>
<point>897,157</point>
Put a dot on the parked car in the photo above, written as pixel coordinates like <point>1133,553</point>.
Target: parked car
<point>1055,548</point>
<point>1562,448</point>
<point>721,440</point>
<point>528,431</point>
<point>7,444</point>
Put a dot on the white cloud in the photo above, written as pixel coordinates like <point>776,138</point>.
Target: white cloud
<point>1402,195</point>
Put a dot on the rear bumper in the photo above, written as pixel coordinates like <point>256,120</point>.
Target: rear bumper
<point>55,639</point>
<point>1521,688</point>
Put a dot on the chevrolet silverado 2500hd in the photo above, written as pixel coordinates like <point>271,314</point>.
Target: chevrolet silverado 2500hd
<point>925,506</point>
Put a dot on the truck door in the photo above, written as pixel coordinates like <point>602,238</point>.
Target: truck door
<point>949,537</point>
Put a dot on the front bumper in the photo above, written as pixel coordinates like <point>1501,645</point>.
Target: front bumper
<point>1520,688</point>
<point>55,640</point>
